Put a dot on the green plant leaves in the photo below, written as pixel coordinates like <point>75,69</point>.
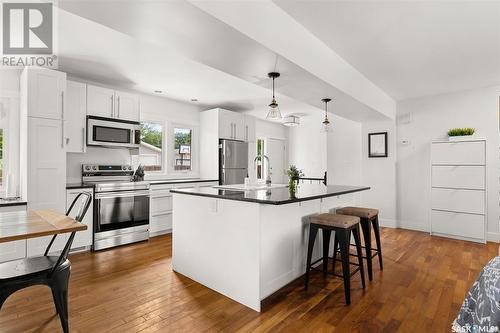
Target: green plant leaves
<point>461,131</point>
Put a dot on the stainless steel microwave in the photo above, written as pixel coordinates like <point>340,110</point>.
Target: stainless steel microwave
<point>110,132</point>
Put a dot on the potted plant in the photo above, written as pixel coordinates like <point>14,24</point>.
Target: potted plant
<point>457,134</point>
<point>293,176</point>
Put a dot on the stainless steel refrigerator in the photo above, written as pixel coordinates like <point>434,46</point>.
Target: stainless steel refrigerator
<point>233,162</point>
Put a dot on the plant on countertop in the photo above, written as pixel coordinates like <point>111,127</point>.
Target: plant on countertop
<point>461,131</point>
<point>293,175</point>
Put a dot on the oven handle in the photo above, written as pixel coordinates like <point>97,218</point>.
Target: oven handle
<point>123,194</point>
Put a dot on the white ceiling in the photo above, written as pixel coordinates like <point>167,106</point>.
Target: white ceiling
<point>407,49</point>
<point>410,48</point>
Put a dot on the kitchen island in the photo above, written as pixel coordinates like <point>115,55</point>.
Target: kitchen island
<point>247,245</point>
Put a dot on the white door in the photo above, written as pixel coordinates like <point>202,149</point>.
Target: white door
<point>127,106</point>
<point>46,174</point>
<point>100,101</point>
<point>82,238</point>
<point>239,126</point>
<point>226,125</point>
<point>46,92</point>
<point>275,150</point>
<point>76,112</point>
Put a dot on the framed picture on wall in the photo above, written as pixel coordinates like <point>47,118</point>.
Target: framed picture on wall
<point>377,144</point>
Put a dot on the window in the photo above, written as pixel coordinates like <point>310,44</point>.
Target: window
<point>150,151</point>
<point>260,162</point>
<point>182,149</point>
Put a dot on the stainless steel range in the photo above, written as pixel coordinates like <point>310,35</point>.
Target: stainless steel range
<point>121,206</point>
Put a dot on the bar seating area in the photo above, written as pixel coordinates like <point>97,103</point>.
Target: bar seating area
<point>344,223</point>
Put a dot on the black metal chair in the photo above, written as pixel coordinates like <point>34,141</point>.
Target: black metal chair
<point>51,271</point>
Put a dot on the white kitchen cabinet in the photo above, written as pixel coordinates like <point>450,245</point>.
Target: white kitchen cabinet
<point>458,189</point>
<point>231,125</point>
<point>250,128</point>
<point>43,90</point>
<point>105,102</point>
<point>76,116</point>
<point>82,238</point>
<point>100,101</point>
<point>127,106</point>
<point>16,249</point>
<point>46,175</point>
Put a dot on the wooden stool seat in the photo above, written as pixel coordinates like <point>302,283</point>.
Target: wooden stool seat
<point>369,220</point>
<point>335,220</point>
<point>366,213</point>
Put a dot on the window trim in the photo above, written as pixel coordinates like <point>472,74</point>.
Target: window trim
<point>194,149</point>
<point>163,144</point>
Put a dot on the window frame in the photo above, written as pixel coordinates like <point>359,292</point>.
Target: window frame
<point>194,171</point>
<point>164,142</point>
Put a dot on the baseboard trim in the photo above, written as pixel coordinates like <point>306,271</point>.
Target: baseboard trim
<point>388,223</point>
<point>159,233</point>
<point>493,237</point>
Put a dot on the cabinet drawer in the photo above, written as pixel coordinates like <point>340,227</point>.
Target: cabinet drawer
<point>465,201</point>
<point>472,152</point>
<point>458,224</point>
<point>459,176</point>
<point>161,204</point>
<point>161,222</point>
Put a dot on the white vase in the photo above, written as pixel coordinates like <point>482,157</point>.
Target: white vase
<point>461,138</point>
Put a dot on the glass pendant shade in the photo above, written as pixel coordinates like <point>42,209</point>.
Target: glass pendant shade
<point>274,112</point>
<point>326,123</point>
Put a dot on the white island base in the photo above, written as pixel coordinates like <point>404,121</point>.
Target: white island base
<point>244,250</point>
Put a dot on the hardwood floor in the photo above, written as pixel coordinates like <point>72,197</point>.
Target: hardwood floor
<point>133,288</point>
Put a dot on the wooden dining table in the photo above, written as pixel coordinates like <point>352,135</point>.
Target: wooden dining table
<point>31,224</point>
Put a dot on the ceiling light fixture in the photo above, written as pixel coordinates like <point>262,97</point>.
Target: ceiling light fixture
<point>158,91</point>
<point>326,122</point>
<point>274,111</point>
<point>291,121</point>
<point>194,100</point>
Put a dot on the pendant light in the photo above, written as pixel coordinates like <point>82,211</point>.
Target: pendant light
<point>326,122</point>
<point>274,111</point>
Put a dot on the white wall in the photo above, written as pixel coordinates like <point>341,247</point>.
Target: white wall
<point>307,146</point>
<point>380,173</point>
<point>431,117</point>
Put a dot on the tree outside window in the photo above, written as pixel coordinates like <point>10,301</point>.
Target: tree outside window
<point>182,149</point>
<point>260,153</point>
<point>150,151</point>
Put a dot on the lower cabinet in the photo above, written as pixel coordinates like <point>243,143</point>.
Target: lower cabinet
<point>16,249</point>
<point>82,238</point>
<point>160,219</point>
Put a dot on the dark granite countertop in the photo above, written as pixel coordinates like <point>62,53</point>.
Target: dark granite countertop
<point>70,186</point>
<point>274,196</point>
<point>16,202</point>
<point>180,181</point>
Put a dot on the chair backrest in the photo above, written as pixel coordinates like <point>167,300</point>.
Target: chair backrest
<point>84,206</point>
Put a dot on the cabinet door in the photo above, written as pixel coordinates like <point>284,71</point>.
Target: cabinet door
<point>76,112</point>
<point>239,126</point>
<point>46,175</point>
<point>226,125</point>
<point>458,153</point>
<point>16,249</point>
<point>127,106</point>
<point>82,238</point>
<point>45,92</point>
<point>100,101</point>
<point>250,135</point>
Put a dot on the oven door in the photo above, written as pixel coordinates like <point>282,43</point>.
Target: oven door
<point>121,209</point>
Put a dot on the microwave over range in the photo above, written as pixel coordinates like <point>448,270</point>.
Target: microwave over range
<point>110,132</point>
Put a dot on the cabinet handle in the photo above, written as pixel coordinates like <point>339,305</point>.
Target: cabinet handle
<point>62,119</point>
<point>246,133</point>
<point>83,139</point>
<point>112,106</point>
<point>118,116</point>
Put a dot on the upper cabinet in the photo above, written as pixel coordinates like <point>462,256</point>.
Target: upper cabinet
<point>76,112</point>
<point>232,125</point>
<point>100,101</point>
<point>44,91</point>
<point>109,103</point>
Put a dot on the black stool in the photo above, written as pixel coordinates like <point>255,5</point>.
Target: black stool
<point>369,219</point>
<point>343,225</point>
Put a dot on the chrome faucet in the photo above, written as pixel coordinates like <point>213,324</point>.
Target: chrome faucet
<point>268,172</point>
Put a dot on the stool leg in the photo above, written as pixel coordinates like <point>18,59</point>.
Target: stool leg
<point>313,231</point>
<point>335,250</point>
<point>367,235</point>
<point>326,247</point>
<point>357,241</point>
<point>377,239</point>
<point>344,237</point>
